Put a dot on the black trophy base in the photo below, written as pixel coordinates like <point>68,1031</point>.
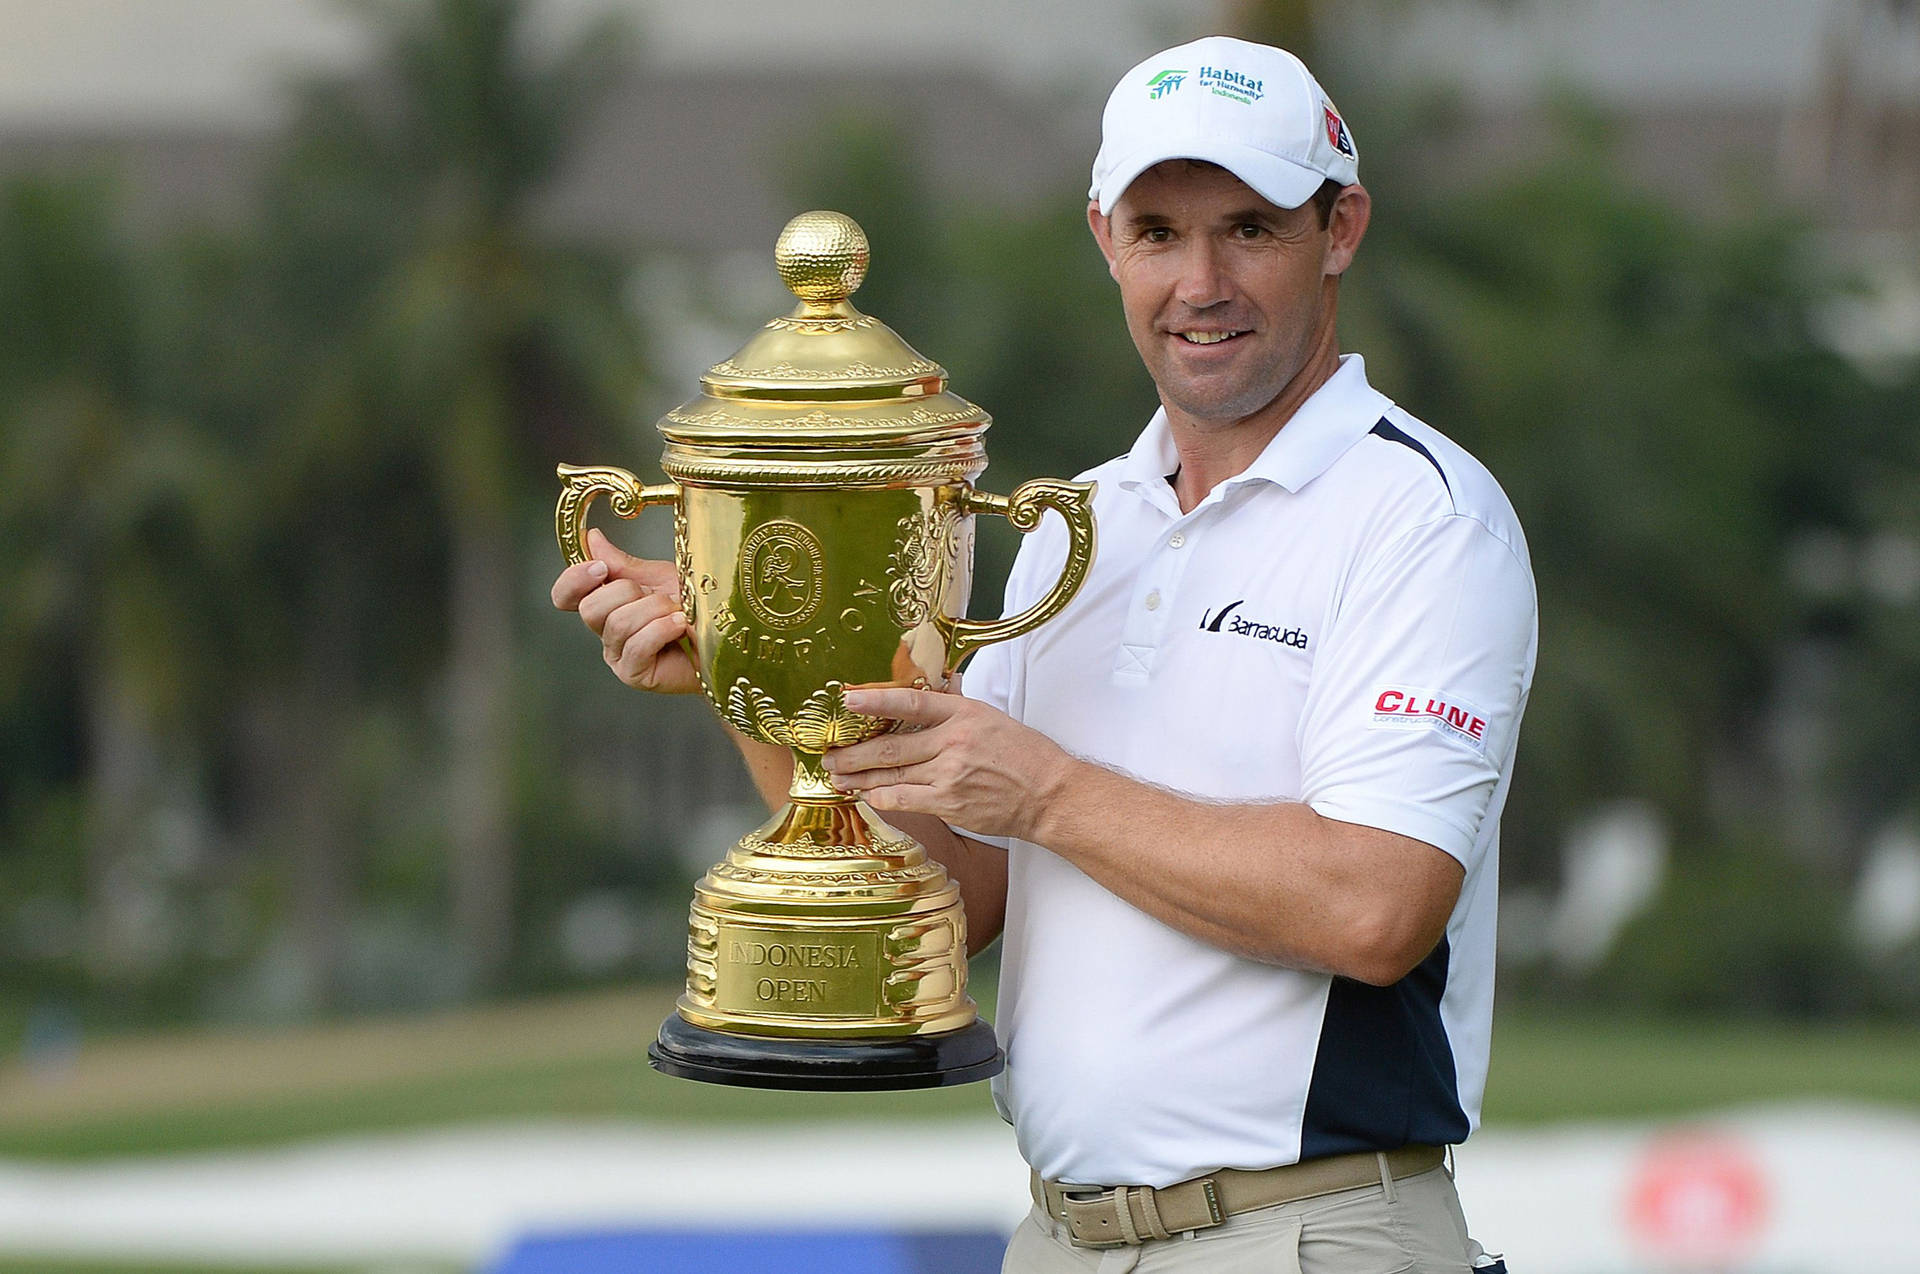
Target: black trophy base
<point>868,1065</point>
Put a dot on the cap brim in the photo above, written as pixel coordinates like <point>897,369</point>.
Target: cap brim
<point>1281,182</point>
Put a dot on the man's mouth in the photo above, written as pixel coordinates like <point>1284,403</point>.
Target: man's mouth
<point>1207,338</point>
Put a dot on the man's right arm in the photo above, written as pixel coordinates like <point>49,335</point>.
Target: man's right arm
<point>632,605</point>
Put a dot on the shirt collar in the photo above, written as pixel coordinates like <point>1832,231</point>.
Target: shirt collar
<point>1336,416</point>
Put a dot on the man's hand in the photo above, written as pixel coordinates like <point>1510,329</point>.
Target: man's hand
<point>633,607</point>
<point>968,764</point>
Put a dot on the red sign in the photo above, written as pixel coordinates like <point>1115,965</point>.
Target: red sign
<point>1698,1198</point>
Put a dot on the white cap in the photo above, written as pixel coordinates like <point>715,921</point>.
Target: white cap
<point>1252,109</point>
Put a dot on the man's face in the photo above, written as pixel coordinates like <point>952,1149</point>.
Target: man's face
<point>1226,295</point>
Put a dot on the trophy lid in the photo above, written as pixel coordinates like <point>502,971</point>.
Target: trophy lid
<point>824,376</point>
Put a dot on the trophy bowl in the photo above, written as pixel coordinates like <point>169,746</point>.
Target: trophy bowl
<point>823,501</point>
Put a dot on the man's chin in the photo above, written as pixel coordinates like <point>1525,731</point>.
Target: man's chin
<point>1216,411</point>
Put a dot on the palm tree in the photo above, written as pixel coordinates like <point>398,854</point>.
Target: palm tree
<point>108,511</point>
<point>474,337</point>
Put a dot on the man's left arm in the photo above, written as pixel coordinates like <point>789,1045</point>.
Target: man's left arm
<point>1359,877</point>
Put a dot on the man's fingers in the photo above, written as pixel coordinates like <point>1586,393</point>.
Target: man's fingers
<point>904,798</point>
<point>576,582</point>
<point>914,707</point>
<point>576,587</point>
<point>600,548</point>
<point>889,750</point>
<point>629,619</point>
<point>598,605</point>
<point>648,572</point>
<point>636,657</point>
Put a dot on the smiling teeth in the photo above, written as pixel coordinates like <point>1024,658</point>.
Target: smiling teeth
<point>1206,338</point>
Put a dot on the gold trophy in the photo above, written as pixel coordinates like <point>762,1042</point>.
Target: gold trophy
<point>823,529</point>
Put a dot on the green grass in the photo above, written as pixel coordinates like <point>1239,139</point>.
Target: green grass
<point>1551,1068</point>
<point>585,1058</point>
<point>581,1058</point>
<point>590,1088</point>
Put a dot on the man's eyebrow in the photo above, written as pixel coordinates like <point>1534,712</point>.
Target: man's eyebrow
<point>1256,215</point>
<point>1140,222</point>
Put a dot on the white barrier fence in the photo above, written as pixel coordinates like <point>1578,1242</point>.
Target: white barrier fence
<point>1794,1190</point>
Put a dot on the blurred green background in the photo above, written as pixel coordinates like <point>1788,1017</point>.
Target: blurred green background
<point>290,737</point>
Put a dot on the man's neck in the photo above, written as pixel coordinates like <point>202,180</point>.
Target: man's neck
<point>1211,453</point>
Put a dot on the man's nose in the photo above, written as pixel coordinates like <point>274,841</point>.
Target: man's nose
<point>1203,280</point>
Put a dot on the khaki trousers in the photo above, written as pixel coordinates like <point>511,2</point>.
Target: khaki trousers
<point>1410,1226</point>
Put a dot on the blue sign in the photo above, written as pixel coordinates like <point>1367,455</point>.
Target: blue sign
<point>718,1252</point>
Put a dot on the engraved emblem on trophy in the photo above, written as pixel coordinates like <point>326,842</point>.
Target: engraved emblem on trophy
<point>823,500</point>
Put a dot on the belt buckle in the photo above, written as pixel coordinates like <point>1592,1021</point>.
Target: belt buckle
<point>1076,1209</point>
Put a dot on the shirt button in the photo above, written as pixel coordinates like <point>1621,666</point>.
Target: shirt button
<point>1177,539</point>
<point>1153,600</point>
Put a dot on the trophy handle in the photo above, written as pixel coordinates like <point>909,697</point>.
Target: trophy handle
<point>625,495</point>
<point>1023,508</point>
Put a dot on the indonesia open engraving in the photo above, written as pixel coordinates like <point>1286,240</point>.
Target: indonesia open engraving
<point>798,970</point>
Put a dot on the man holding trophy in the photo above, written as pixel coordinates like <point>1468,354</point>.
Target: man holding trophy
<point>1234,809</point>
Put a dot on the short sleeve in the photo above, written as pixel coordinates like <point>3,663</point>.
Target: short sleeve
<point>1419,686</point>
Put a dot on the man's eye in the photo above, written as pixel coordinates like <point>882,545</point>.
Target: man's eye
<point>1158,234</point>
<point>1248,230</point>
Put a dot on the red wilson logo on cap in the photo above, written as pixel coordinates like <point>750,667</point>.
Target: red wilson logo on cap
<point>1337,134</point>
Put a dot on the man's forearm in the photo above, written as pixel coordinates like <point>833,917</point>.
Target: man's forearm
<point>769,765</point>
<point>980,870</point>
<point>1275,882</point>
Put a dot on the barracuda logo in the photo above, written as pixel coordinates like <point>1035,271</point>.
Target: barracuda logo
<point>1227,622</point>
<point>1165,82</point>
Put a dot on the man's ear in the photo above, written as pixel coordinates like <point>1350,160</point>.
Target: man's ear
<point>1102,227</point>
<point>1347,225</point>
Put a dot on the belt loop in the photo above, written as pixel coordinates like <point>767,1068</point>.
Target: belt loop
<point>1150,1212</point>
<point>1386,1177</point>
<point>1123,1211</point>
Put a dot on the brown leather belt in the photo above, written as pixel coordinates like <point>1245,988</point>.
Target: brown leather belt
<point>1127,1216</point>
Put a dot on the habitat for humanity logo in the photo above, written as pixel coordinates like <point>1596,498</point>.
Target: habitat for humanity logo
<point>1165,82</point>
<point>1232,85</point>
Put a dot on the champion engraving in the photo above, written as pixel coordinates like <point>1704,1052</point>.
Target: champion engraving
<point>1240,626</point>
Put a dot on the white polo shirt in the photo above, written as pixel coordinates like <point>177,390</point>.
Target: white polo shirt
<point>1348,623</point>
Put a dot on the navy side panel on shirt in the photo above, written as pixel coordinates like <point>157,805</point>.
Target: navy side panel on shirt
<point>1383,1075</point>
